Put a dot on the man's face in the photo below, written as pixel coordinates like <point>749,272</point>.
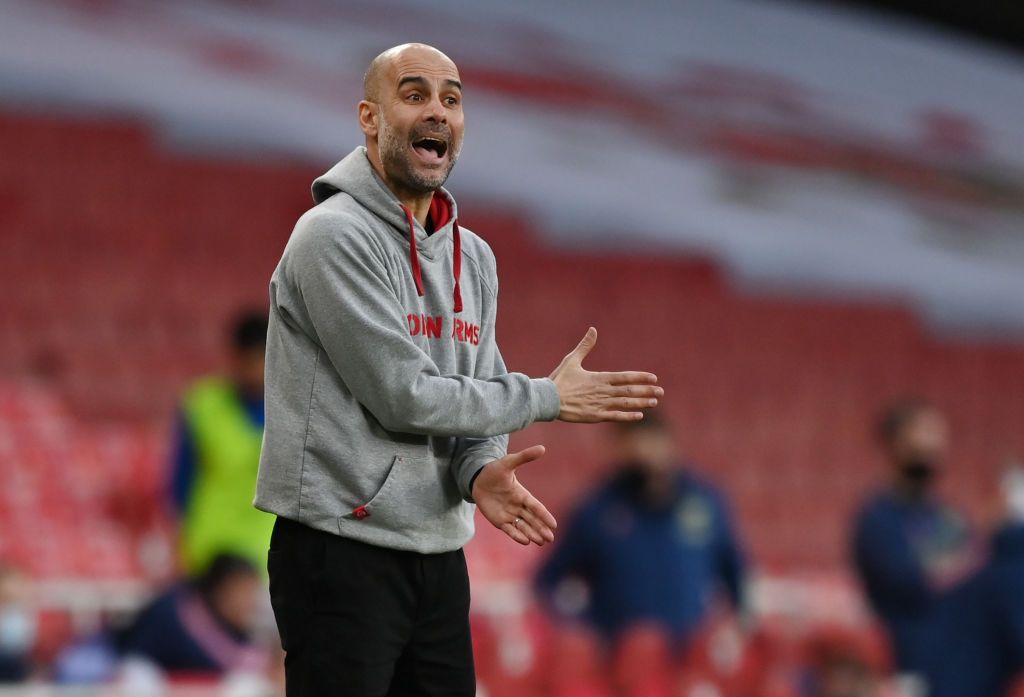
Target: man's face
<point>248,371</point>
<point>17,618</point>
<point>13,587</point>
<point>237,601</point>
<point>652,450</point>
<point>922,443</point>
<point>419,120</point>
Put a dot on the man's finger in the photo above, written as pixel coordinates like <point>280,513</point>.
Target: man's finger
<point>649,391</point>
<point>585,346</point>
<point>540,512</point>
<point>537,525</point>
<point>629,377</point>
<point>534,535</point>
<point>511,530</point>
<point>620,415</point>
<point>515,460</point>
<point>631,404</point>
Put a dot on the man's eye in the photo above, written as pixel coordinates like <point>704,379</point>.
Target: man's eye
<point>453,101</point>
<point>415,97</point>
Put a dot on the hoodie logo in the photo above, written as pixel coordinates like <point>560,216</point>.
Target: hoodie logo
<point>432,327</point>
<point>429,327</point>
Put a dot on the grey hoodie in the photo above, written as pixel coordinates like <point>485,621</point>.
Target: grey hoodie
<point>385,389</point>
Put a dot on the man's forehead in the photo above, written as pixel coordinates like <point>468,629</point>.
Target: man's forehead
<point>422,64</point>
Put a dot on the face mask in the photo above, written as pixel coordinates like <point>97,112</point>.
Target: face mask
<point>918,470</point>
<point>17,630</point>
<point>635,475</point>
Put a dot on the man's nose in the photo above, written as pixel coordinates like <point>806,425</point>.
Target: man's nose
<point>434,111</point>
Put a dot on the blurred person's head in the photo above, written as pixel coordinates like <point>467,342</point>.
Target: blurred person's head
<point>411,114</point>
<point>915,436</point>
<point>232,588</point>
<point>646,453</point>
<point>248,352</point>
<point>17,624</point>
<point>1012,488</point>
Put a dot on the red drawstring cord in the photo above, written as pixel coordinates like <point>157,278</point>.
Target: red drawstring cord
<point>457,264</point>
<point>414,260</point>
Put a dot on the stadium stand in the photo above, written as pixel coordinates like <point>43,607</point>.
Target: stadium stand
<point>122,260</point>
<point>774,396</point>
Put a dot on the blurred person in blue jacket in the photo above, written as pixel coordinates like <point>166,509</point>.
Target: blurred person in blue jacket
<point>910,549</point>
<point>204,625</point>
<point>217,452</point>
<point>17,625</point>
<point>654,544</point>
<point>982,628</point>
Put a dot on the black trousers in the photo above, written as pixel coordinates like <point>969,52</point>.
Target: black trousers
<point>362,620</point>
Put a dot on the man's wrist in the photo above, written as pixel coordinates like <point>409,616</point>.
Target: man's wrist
<point>472,480</point>
<point>547,403</point>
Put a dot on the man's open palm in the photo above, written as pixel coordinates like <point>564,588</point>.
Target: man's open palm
<point>589,397</point>
<point>508,505</point>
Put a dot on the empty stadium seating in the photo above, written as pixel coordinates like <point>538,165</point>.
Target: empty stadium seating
<point>80,500</point>
<point>122,259</point>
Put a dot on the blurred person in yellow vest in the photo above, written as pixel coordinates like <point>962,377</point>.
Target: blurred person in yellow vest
<point>217,452</point>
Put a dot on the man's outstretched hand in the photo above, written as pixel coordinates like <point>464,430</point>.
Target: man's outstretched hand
<point>591,397</point>
<point>508,505</point>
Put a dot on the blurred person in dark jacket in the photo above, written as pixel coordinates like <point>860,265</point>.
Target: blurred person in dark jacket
<point>17,625</point>
<point>982,625</point>
<point>910,549</point>
<point>653,545</point>
<point>204,625</point>
<point>217,452</point>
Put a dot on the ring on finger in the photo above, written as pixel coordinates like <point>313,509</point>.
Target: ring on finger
<point>517,522</point>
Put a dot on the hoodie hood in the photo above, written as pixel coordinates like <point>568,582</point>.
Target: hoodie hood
<point>356,177</point>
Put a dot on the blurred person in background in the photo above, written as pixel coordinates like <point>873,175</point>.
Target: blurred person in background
<point>910,548</point>
<point>204,625</point>
<point>17,625</point>
<point>217,453</point>
<point>982,623</point>
<point>653,545</point>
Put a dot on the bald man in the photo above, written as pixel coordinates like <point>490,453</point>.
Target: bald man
<point>388,405</point>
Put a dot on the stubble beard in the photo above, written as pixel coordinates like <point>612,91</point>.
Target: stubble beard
<point>398,164</point>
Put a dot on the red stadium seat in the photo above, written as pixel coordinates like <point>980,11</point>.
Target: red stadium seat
<point>643,665</point>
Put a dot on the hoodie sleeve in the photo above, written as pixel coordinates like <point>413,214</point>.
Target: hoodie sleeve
<point>471,454</point>
<point>361,325</point>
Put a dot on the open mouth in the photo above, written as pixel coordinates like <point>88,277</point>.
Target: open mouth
<point>430,149</point>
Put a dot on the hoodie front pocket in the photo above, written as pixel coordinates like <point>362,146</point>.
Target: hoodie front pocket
<point>414,492</point>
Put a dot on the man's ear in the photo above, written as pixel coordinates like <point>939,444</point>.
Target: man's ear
<point>368,117</point>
